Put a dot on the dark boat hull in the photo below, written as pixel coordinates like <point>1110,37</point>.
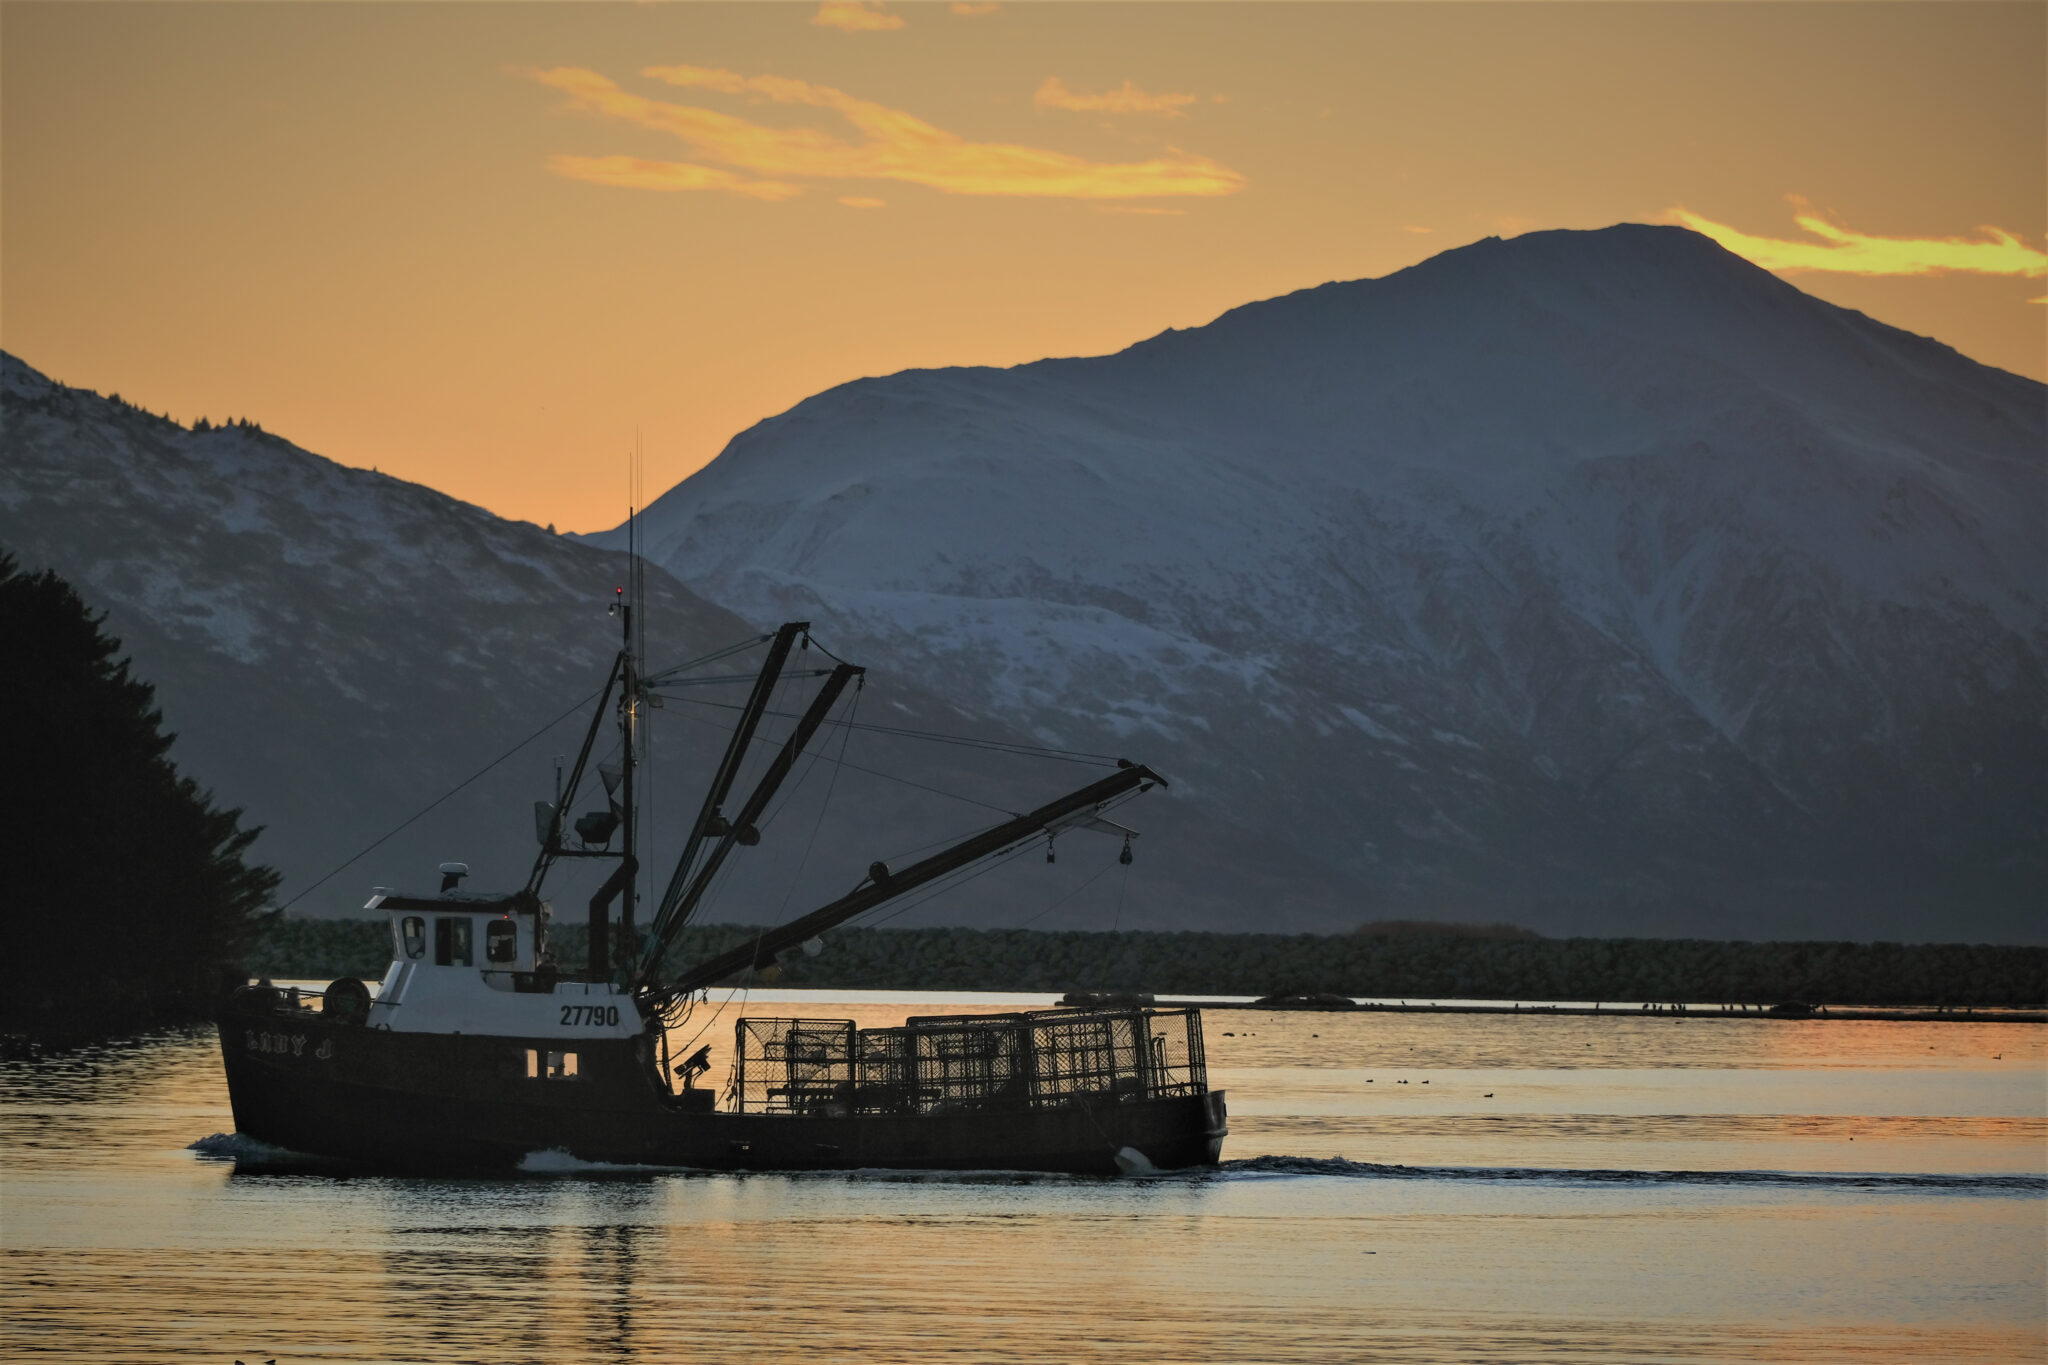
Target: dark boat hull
<point>436,1102</point>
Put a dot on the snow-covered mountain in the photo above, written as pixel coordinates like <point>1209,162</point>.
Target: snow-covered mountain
<point>337,648</point>
<point>1597,579</point>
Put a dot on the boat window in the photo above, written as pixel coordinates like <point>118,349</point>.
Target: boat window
<point>414,932</point>
<point>561,1066</point>
<point>451,941</point>
<point>533,1063</point>
<point>501,941</point>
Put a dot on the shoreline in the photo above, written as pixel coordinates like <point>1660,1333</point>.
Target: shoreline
<point>1819,1014</point>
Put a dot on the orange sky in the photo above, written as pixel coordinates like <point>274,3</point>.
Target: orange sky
<point>479,245</point>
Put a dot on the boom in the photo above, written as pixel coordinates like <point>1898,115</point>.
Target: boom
<point>882,885</point>
<point>742,829</point>
<point>709,819</point>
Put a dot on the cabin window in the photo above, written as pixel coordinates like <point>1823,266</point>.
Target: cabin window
<point>501,941</point>
<point>451,941</point>
<point>413,932</point>
<point>553,1066</point>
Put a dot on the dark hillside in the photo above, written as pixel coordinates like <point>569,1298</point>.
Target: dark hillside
<point>1419,967</point>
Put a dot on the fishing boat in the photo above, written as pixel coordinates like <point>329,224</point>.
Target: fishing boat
<point>478,1051</point>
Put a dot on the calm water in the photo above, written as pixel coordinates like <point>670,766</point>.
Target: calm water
<point>1560,1190</point>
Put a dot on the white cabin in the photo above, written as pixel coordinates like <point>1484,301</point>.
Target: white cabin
<point>467,964</point>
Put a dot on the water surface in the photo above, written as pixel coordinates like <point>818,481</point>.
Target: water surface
<point>1561,1189</point>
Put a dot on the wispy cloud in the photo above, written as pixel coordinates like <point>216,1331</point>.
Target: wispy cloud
<point>1994,252</point>
<point>967,9</point>
<point>637,173</point>
<point>1126,99</point>
<point>855,17</point>
<point>893,145</point>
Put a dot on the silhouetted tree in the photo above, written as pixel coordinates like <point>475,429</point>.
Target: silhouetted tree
<point>125,889</point>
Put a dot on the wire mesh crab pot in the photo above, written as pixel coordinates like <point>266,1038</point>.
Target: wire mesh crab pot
<point>947,1064</point>
<point>793,1066</point>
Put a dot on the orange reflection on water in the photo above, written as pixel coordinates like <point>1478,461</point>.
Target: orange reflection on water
<point>120,1245</point>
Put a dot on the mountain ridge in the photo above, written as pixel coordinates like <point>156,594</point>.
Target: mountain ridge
<point>338,649</point>
<point>1521,496</point>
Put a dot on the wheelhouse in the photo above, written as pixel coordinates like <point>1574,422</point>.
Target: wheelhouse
<point>496,935</point>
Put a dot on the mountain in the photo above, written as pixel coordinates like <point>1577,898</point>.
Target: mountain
<point>337,649</point>
<point>1597,580</point>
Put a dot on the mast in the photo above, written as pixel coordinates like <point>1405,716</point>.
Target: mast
<point>626,876</point>
<point>629,712</point>
<point>625,676</point>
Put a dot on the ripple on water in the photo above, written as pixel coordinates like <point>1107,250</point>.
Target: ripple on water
<point>131,1234</point>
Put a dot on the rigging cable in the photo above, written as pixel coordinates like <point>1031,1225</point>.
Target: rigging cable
<point>811,642</point>
<point>573,709</point>
<point>675,670</point>
<point>953,879</point>
<point>717,678</point>
<point>958,878</point>
<point>1001,746</point>
<point>852,705</point>
<point>746,984</point>
<point>1096,877</point>
<point>745,988</point>
<point>782,802</point>
<point>1121,887</point>
<point>872,772</point>
<point>944,884</point>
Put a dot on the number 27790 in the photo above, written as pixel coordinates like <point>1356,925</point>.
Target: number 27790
<point>593,1016</point>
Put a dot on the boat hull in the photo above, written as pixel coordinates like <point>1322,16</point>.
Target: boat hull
<point>438,1102</point>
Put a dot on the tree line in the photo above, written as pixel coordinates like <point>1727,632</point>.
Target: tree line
<point>1415,966</point>
<point>130,899</point>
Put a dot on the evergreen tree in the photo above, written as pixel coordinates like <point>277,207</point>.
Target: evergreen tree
<point>126,890</point>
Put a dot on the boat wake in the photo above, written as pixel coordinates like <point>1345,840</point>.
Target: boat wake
<point>555,1161</point>
<point>1271,1166</point>
<point>249,1154</point>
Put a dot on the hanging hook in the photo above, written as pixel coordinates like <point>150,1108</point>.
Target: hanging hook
<point>1048,850</point>
<point>1125,856</point>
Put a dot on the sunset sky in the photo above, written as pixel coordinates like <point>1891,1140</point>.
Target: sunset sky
<point>481,245</point>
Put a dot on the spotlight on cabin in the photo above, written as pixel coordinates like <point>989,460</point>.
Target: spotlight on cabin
<point>693,1066</point>
<point>452,875</point>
